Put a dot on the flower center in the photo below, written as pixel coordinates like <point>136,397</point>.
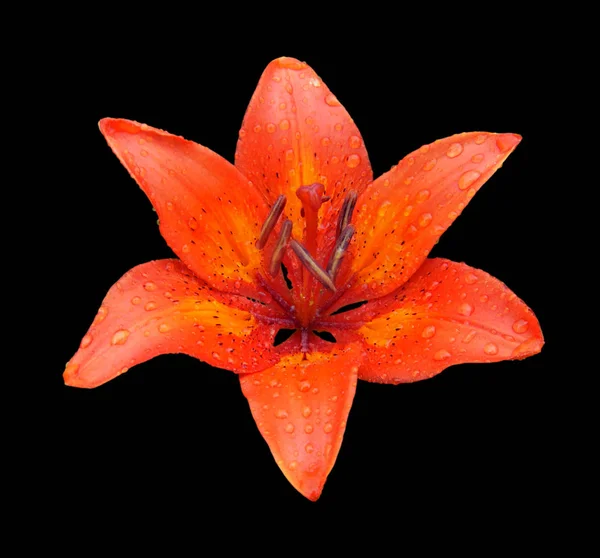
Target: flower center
<point>315,278</point>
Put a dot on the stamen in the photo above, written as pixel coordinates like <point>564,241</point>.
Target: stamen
<point>339,251</point>
<point>345,214</point>
<point>279,250</point>
<point>271,220</point>
<point>313,267</point>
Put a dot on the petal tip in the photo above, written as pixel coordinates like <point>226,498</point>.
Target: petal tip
<point>290,63</point>
<point>528,348</point>
<point>508,142</point>
<point>72,378</point>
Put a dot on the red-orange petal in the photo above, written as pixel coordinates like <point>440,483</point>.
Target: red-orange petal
<point>448,313</point>
<point>301,408</point>
<point>401,215</point>
<point>160,307</point>
<point>208,213</point>
<point>295,132</point>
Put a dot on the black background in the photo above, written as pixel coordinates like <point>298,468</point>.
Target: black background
<point>174,434</point>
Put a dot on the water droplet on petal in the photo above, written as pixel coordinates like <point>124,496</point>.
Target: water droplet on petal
<point>284,124</point>
<point>281,414</point>
<point>192,223</point>
<point>423,196</point>
<point>327,427</point>
<point>136,300</point>
<point>102,312</point>
<point>442,354</point>
<point>469,336</point>
<point>354,142</point>
<point>467,178</point>
<point>304,386</point>
<point>465,309</point>
<point>477,158</point>
<point>270,127</point>
<point>163,328</point>
<point>170,206</point>
<point>425,219</point>
<point>185,248</point>
<point>150,286</point>
<point>308,428</point>
<point>150,306</point>
<point>293,465</point>
<point>454,150</point>
<point>429,164</point>
<point>470,278</point>
<point>520,326</point>
<point>428,332</point>
<point>119,337</point>
<point>289,427</point>
<point>86,341</point>
<point>309,448</point>
<point>490,349</point>
<point>331,100</point>
<point>353,161</point>
<point>325,141</point>
<point>480,139</point>
<point>306,412</point>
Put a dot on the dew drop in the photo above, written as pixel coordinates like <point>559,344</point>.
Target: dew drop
<point>289,155</point>
<point>520,326</point>
<point>423,196</point>
<point>289,427</point>
<point>284,124</point>
<point>465,309</point>
<point>170,206</point>
<point>309,448</point>
<point>491,349</point>
<point>428,332</point>
<point>143,153</point>
<point>353,161</point>
<point>216,356</point>
<point>270,127</point>
<point>86,341</point>
<point>429,164</point>
<point>469,336</point>
<point>454,150</point>
<point>442,354</point>
<point>150,306</point>
<point>425,219</point>
<point>331,100</point>
<point>192,223</point>
<point>281,414</point>
<point>470,278</point>
<point>325,141</point>
<point>304,386</point>
<point>102,312</point>
<point>163,328</point>
<point>293,465</point>
<point>477,158</point>
<point>306,412</point>
<point>136,300</point>
<point>150,286</point>
<point>327,427</point>
<point>480,139</point>
<point>308,428</point>
<point>257,128</point>
<point>185,248</point>
<point>467,178</point>
<point>119,337</point>
<point>354,142</point>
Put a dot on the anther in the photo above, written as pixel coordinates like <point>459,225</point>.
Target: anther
<point>270,222</point>
<point>345,214</point>
<point>313,267</point>
<point>279,250</point>
<point>339,251</point>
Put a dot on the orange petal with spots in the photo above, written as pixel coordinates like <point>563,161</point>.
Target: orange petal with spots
<point>295,132</point>
<point>209,215</point>
<point>401,215</point>
<point>160,307</point>
<point>301,408</point>
<point>448,313</point>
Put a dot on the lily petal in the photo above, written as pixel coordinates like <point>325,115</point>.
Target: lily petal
<point>301,408</point>
<point>448,313</point>
<point>402,214</point>
<point>209,215</point>
<point>160,307</point>
<point>295,132</point>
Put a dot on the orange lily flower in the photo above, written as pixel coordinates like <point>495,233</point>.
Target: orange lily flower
<point>298,236</point>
